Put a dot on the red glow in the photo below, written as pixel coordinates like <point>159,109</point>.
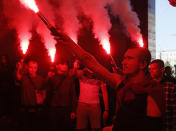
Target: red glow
<point>106,44</point>
<point>141,43</point>
<point>172,2</point>
<point>52,52</point>
<point>30,4</point>
<point>73,37</point>
<point>24,46</point>
<point>24,38</point>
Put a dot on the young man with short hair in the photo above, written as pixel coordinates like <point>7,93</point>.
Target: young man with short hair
<point>169,94</point>
<point>32,96</point>
<point>132,97</point>
<point>89,109</point>
<point>61,98</point>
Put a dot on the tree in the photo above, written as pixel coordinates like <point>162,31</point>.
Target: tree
<point>167,63</point>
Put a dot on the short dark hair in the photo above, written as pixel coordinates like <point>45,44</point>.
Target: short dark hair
<point>145,55</point>
<point>31,60</point>
<point>159,62</point>
<point>167,68</point>
<point>68,63</point>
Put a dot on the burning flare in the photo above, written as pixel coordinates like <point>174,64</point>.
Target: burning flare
<point>24,38</point>
<point>141,43</point>
<point>24,46</point>
<point>30,4</point>
<point>73,37</point>
<point>106,44</point>
<point>52,52</point>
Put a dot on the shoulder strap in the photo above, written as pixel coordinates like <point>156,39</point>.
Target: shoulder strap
<point>60,82</point>
<point>33,84</point>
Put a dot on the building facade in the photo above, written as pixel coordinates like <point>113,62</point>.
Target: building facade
<point>151,28</point>
<point>167,56</point>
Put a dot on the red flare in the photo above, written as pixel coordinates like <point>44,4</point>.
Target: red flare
<point>106,44</point>
<point>30,4</point>
<point>24,45</point>
<point>73,37</point>
<point>52,52</point>
<point>141,43</point>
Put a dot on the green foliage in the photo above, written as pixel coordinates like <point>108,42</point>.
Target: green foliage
<point>167,63</point>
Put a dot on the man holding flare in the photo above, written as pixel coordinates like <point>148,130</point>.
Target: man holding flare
<point>136,87</point>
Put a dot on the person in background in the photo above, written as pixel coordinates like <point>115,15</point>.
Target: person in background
<point>6,85</point>
<point>21,67</point>
<point>88,109</point>
<point>33,95</point>
<point>168,75</point>
<point>51,72</point>
<point>156,70</point>
<point>61,98</point>
<point>169,95</point>
<point>132,103</point>
<point>6,81</point>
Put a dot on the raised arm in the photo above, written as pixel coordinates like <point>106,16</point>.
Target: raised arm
<point>88,60</point>
<point>18,71</point>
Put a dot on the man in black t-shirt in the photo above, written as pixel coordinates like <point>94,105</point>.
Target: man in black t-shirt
<point>32,97</point>
<point>61,99</point>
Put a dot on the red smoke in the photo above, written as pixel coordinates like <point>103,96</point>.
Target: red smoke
<point>19,19</point>
<point>67,11</point>
<point>48,40</point>
<point>106,44</point>
<point>128,17</point>
<point>95,9</point>
<point>24,41</point>
<point>30,4</point>
<point>52,52</point>
<point>22,20</point>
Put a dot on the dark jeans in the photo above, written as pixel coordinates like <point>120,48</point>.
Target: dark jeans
<point>33,120</point>
<point>145,124</point>
<point>154,124</point>
<point>59,119</point>
<point>130,124</point>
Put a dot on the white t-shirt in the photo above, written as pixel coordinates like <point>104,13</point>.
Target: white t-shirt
<point>89,90</point>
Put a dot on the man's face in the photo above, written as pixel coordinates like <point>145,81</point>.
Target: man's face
<point>131,62</point>
<point>168,71</point>
<point>32,68</point>
<point>62,68</point>
<point>155,70</point>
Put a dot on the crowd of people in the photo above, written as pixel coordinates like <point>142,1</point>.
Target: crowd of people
<point>77,98</point>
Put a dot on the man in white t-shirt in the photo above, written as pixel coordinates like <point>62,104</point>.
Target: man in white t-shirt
<point>88,109</point>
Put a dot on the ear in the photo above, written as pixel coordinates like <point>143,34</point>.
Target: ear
<point>143,65</point>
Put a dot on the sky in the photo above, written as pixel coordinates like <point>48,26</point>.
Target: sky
<point>165,26</point>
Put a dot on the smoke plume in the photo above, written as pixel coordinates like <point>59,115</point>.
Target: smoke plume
<point>47,9</point>
<point>128,17</point>
<point>19,19</point>
<point>95,9</point>
<point>68,11</point>
<point>23,20</point>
